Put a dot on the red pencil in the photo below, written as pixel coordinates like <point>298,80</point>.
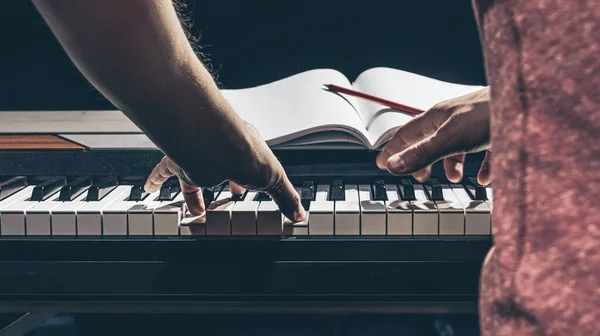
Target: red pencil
<point>375,99</point>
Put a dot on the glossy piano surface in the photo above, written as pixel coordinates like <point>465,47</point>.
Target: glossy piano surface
<point>372,269</point>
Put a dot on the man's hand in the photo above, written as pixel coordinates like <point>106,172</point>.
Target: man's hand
<point>257,169</point>
<point>136,53</point>
<point>447,131</point>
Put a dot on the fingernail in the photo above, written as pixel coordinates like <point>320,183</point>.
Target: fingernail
<point>396,163</point>
<point>458,167</point>
<point>380,162</point>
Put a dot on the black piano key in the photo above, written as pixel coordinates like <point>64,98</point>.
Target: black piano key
<point>263,197</point>
<point>11,186</point>
<point>42,191</point>
<point>336,193</point>
<point>475,190</point>
<point>249,196</point>
<point>169,190</point>
<point>434,190</point>
<point>70,191</point>
<point>406,190</point>
<point>208,195</point>
<point>308,194</point>
<point>238,197</point>
<point>101,188</point>
<point>235,197</point>
<point>379,191</point>
<point>137,192</point>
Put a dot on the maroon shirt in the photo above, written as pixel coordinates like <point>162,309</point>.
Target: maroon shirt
<point>543,65</point>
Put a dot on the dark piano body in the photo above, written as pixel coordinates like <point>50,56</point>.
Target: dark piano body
<point>297,274</point>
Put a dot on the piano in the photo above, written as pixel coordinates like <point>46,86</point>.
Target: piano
<point>79,234</point>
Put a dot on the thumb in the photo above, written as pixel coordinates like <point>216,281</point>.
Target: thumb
<point>288,200</point>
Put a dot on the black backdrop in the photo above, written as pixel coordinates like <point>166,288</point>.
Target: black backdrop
<point>255,42</point>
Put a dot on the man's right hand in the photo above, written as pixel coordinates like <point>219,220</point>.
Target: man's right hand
<point>447,131</point>
<point>254,167</point>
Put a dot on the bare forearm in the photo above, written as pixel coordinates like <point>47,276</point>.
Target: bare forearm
<point>135,52</point>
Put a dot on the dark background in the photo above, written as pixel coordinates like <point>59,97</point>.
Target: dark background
<point>254,42</point>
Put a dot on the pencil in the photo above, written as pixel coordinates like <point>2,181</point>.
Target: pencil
<point>375,99</point>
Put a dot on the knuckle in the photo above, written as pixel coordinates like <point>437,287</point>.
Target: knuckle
<point>454,122</point>
<point>164,163</point>
<point>160,175</point>
<point>419,133</point>
<point>441,112</point>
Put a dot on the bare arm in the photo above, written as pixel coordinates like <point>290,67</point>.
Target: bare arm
<point>136,53</point>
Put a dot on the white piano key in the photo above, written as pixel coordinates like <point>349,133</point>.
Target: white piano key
<point>452,213</point>
<point>191,225</point>
<point>425,213</point>
<point>347,213</point>
<point>64,216</point>
<point>167,216</point>
<point>195,225</point>
<point>321,213</point>
<point>14,217</point>
<point>38,217</point>
<point>114,216</point>
<point>18,196</point>
<point>12,229</point>
<point>243,216</point>
<point>269,220</point>
<point>296,228</point>
<point>90,215</point>
<point>373,213</point>
<point>184,229</point>
<point>399,213</point>
<point>478,213</point>
<point>139,217</point>
<point>218,214</point>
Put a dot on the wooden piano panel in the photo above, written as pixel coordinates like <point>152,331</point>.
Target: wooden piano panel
<point>36,142</point>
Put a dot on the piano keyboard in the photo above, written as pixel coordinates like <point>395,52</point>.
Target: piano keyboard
<point>83,207</point>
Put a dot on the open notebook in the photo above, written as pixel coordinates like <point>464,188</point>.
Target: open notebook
<point>294,112</point>
<point>297,111</point>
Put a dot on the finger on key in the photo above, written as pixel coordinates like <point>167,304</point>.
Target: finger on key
<point>159,175</point>
<point>193,198</point>
<point>485,174</point>
<point>453,165</point>
<point>288,200</point>
<point>236,189</point>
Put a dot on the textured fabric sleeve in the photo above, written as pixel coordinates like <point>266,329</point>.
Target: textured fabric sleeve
<point>543,66</point>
